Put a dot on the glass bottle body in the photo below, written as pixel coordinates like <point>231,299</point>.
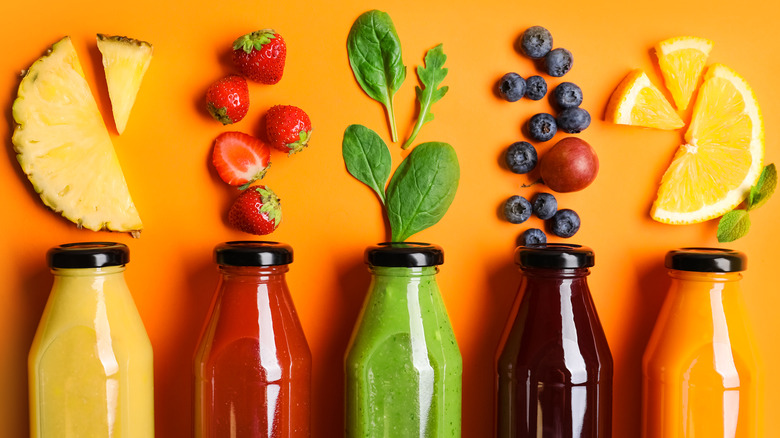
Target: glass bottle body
<point>554,366</point>
<point>403,366</point>
<point>253,364</point>
<point>701,371</point>
<point>90,365</point>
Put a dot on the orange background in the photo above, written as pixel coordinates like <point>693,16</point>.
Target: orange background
<point>329,218</point>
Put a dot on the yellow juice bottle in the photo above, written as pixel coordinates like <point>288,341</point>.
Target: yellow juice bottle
<point>701,371</point>
<point>90,365</point>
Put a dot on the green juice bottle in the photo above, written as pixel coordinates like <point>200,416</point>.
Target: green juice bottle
<point>403,365</point>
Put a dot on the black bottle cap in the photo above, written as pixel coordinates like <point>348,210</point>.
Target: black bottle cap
<point>253,253</point>
<point>88,255</point>
<point>706,260</point>
<point>404,255</point>
<point>554,256</point>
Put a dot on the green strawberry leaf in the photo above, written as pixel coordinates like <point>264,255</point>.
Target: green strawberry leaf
<point>733,225</point>
<point>764,188</point>
<point>255,40</point>
<point>430,76</point>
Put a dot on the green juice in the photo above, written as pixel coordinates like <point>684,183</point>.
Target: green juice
<point>403,366</point>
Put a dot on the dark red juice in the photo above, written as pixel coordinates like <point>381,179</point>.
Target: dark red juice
<point>554,365</point>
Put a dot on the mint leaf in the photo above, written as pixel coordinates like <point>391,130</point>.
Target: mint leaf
<point>367,158</point>
<point>764,188</point>
<point>430,76</point>
<point>733,225</point>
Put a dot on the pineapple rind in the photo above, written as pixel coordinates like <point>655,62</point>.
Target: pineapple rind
<point>64,148</point>
<point>125,61</point>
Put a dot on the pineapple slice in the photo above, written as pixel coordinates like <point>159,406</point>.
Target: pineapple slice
<point>64,148</point>
<point>125,61</point>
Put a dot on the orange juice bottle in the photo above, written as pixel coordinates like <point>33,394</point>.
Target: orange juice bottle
<point>701,370</point>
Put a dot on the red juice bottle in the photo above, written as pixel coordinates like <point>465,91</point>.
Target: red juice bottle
<point>253,365</point>
<point>554,365</point>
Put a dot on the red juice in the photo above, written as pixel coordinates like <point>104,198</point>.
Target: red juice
<point>554,366</point>
<point>253,365</point>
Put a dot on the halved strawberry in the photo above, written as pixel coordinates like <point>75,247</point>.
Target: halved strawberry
<point>240,159</point>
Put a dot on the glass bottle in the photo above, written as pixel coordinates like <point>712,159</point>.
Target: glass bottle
<point>253,365</point>
<point>554,365</point>
<point>90,365</point>
<point>701,370</point>
<point>403,366</point>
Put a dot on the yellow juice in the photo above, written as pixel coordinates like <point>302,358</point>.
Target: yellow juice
<point>701,370</point>
<point>90,365</point>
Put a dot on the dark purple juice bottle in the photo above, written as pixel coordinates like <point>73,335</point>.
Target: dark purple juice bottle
<point>554,364</point>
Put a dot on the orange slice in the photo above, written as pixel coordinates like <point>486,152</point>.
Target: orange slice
<point>682,61</point>
<point>723,155</point>
<point>637,102</point>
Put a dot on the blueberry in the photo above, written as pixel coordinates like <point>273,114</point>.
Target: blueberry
<point>517,209</point>
<point>542,127</point>
<point>545,205</point>
<point>565,223</point>
<point>521,157</point>
<point>533,236</point>
<point>573,120</point>
<point>536,42</point>
<point>567,95</point>
<point>511,87</point>
<point>558,62</point>
<point>535,88</point>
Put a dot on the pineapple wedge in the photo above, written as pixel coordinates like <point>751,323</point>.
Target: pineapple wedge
<point>64,148</point>
<point>125,61</point>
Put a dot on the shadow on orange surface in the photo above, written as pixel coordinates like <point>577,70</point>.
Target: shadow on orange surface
<point>9,149</point>
<point>627,381</point>
<point>34,289</point>
<point>173,374</point>
<point>99,87</point>
<point>328,368</point>
<point>479,366</point>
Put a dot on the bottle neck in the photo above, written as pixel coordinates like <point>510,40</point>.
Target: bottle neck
<point>416,272</point>
<point>253,274</point>
<point>107,271</point>
<point>542,274</point>
<point>708,277</point>
<point>86,282</point>
<point>700,288</point>
<point>555,286</point>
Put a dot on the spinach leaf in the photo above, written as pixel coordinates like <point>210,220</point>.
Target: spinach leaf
<point>374,52</point>
<point>367,157</point>
<point>422,189</point>
<point>430,76</point>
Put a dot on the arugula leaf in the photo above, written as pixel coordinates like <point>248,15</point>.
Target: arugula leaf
<point>764,188</point>
<point>422,189</point>
<point>367,158</point>
<point>374,52</point>
<point>430,77</point>
<point>733,225</point>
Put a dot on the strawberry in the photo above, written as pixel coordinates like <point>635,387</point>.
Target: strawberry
<point>228,99</point>
<point>288,128</point>
<point>256,211</point>
<point>260,56</point>
<point>240,159</point>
